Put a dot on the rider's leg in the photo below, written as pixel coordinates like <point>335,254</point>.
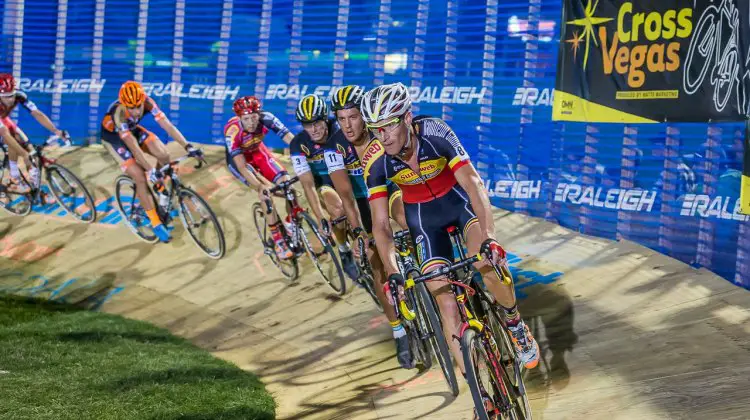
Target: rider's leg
<point>505,296</point>
<point>155,147</point>
<point>449,315</point>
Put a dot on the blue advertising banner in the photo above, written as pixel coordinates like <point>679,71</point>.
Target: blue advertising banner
<point>488,68</point>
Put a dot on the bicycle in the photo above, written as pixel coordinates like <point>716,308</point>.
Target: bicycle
<point>418,311</point>
<point>366,278</point>
<point>482,328</point>
<point>67,189</point>
<point>189,201</point>
<point>299,223</point>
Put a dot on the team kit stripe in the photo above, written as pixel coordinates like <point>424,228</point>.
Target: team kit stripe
<point>378,192</point>
<point>457,165</point>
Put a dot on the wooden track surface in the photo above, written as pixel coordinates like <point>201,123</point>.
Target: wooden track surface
<point>626,333</point>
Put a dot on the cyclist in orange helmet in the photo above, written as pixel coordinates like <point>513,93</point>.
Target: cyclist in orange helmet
<point>129,142</point>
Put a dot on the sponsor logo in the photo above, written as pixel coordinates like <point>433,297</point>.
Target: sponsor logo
<point>518,190</point>
<point>61,86</point>
<point>707,207</point>
<point>427,94</point>
<point>613,198</point>
<point>533,97</point>
<point>196,91</point>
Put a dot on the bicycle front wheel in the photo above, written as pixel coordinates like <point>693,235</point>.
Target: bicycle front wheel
<point>70,193</point>
<point>488,390</point>
<point>369,285</point>
<point>434,330</point>
<point>325,260</point>
<point>132,211</point>
<point>289,268</point>
<point>201,223</point>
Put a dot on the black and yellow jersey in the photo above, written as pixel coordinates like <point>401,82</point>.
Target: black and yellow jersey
<point>440,154</point>
<point>119,120</point>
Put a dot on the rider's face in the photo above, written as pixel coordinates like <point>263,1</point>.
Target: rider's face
<point>136,112</point>
<point>250,121</point>
<point>318,130</point>
<point>351,123</point>
<point>393,134</point>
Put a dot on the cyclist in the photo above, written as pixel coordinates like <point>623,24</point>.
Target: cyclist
<point>440,188</point>
<point>14,138</point>
<point>346,172</point>
<point>129,142</point>
<point>250,161</point>
<point>307,151</point>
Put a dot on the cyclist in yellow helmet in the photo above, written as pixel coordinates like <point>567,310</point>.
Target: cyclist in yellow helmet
<point>128,142</point>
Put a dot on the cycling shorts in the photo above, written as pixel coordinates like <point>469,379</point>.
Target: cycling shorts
<point>428,223</point>
<point>112,138</point>
<point>262,161</point>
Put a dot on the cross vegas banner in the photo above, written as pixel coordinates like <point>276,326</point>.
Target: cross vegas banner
<point>642,61</point>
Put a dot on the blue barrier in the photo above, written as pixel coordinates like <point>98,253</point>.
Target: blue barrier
<point>486,67</point>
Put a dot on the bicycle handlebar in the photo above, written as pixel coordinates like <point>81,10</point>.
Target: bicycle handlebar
<point>283,185</point>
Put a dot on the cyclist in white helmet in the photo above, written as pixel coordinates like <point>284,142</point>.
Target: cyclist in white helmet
<point>440,188</point>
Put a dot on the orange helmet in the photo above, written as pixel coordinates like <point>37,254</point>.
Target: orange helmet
<point>132,94</point>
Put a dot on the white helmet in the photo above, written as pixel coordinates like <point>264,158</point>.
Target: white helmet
<point>385,103</point>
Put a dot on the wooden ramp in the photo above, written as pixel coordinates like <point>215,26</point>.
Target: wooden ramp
<point>625,332</point>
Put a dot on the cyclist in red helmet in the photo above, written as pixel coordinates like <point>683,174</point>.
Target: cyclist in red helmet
<point>14,138</point>
<point>250,161</point>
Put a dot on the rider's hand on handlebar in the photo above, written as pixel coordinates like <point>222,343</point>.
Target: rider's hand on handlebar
<point>155,175</point>
<point>494,252</point>
<point>194,152</point>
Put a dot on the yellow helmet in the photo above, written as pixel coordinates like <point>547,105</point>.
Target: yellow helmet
<point>132,94</point>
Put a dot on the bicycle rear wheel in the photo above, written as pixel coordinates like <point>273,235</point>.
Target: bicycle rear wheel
<point>434,330</point>
<point>70,193</point>
<point>289,268</point>
<point>131,210</point>
<point>330,270</point>
<point>483,377</point>
<point>199,220</point>
<point>14,203</point>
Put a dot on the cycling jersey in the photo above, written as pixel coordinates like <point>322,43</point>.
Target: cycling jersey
<point>340,154</point>
<point>440,154</point>
<point>118,119</point>
<point>20,99</point>
<point>433,200</point>
<point>308,156</point>
<point>238,141</point>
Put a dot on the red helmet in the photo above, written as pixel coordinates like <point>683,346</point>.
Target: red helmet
<point>7,83</point>
<point>246,105</point>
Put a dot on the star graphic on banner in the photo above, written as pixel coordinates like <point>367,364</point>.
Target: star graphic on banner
<point>575,42</point>
<point>588,22</point>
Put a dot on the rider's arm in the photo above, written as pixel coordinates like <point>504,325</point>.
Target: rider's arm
<point>381,230</point>
<point>241,164</point>
<point>308,185</point>
<point>11,141</point>
<point>44,120</point>
<point>132,144</point>
<point>274,124</point>
<point>304,173</point>
<point>375,178</point>
<point>450,147</point>
<point>470,181</point>
<point>343,186</point>
<point>172,131</point>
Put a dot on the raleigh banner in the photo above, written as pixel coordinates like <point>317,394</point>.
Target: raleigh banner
<point>645,61</point>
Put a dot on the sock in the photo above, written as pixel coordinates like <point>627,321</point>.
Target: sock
<point>153,216</point>
<point>512,316</point>
<point>14,173</point>
<point>398,329</point>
